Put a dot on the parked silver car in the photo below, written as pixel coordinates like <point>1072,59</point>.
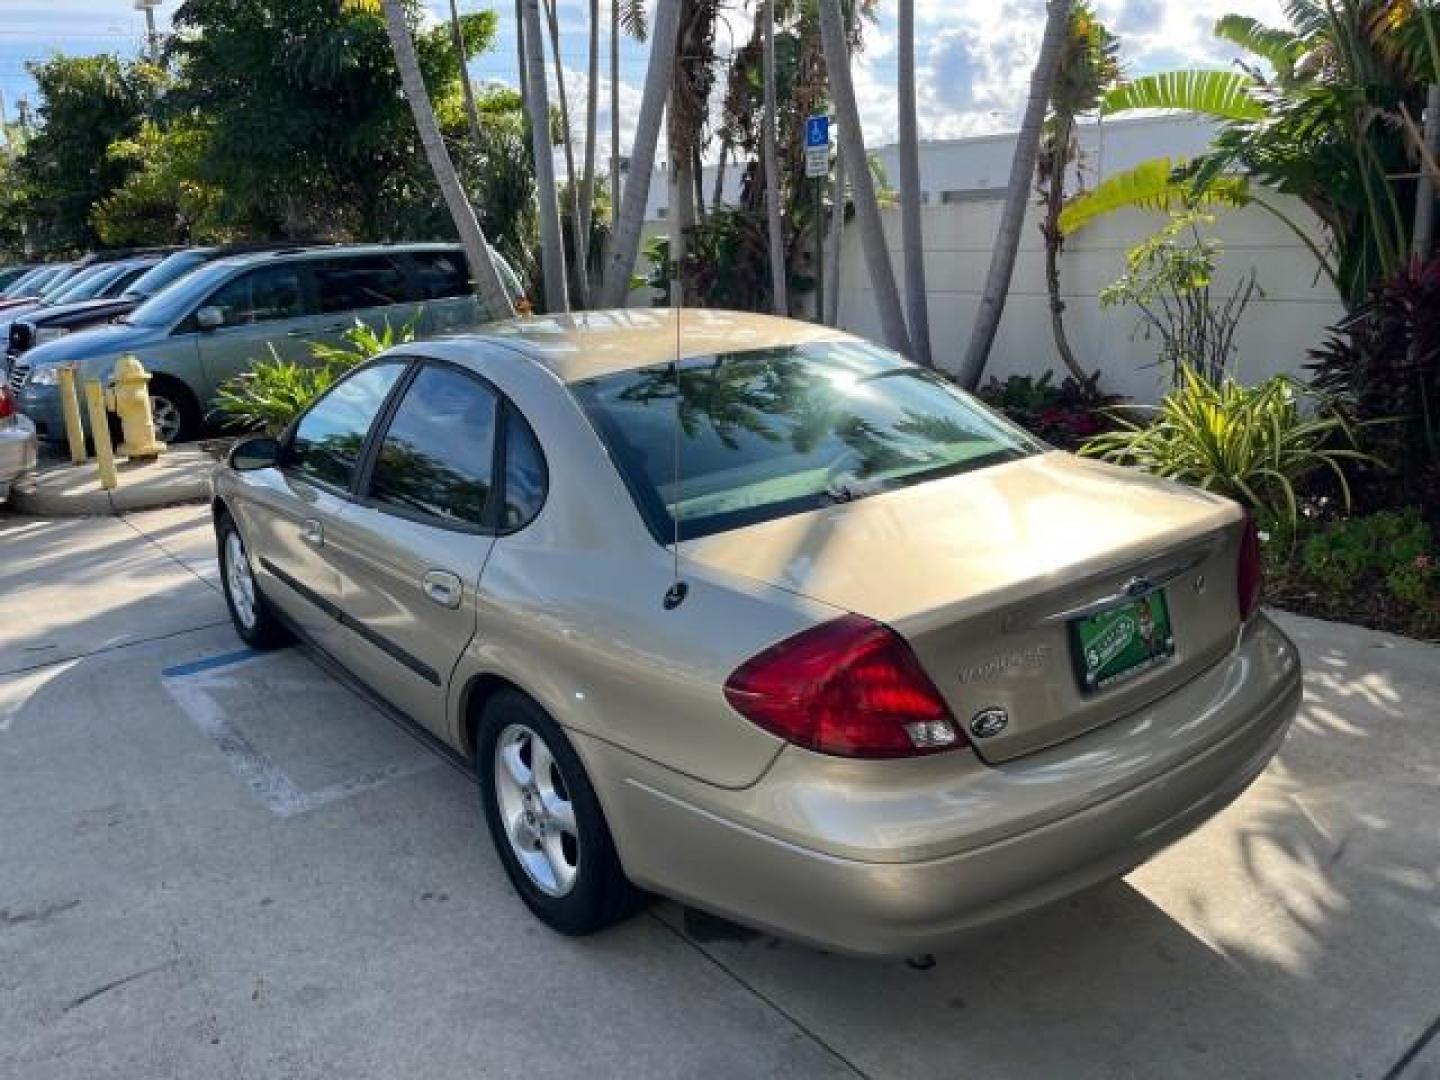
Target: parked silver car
<point>216,322</point>
<point>17,444</point>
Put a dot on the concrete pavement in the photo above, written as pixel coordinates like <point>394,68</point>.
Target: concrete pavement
<point>217,864</point>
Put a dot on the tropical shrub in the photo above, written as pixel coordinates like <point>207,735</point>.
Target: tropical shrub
<point>1383,362</point>
<point>1169,279</point>
<point>1065,415</point>
<point>275,391</point>
<point>1255,444</point>
<point>1381,570</point>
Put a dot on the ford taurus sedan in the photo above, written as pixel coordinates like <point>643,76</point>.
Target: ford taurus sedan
<point>761,616</point>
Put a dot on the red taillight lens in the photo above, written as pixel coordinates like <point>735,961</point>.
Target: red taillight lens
<point>850,687</point>
<point>7,404</point>
<point>1249,571</point>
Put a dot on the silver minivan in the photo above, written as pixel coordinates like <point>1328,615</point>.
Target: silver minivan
<point>216,322</point>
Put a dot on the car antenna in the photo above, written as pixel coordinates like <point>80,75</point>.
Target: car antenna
<point>675,595</point>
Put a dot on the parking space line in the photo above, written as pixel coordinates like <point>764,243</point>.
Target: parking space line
<point>192,687</point>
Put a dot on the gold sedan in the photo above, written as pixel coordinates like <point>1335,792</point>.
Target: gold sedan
<point>758,615</point>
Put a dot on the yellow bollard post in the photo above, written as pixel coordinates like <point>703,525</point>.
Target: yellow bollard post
<point>100,432</point>
<point>70,406</point>
<point>130,400</point>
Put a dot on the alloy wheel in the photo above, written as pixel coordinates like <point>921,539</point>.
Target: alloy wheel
<point>166,415</point>
<point>536,810</point>
<point>239,582</point>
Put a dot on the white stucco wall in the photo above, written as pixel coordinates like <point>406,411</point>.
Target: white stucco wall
<point>1274,335</point>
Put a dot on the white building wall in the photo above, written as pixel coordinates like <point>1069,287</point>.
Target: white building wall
<point>1277,330</point>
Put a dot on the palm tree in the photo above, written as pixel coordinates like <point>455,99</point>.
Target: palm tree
<point>572,186</point>
<point>472,112</point>
<point>770,151</point>
<point>587,181</point>
<point>488,284</point>
<point>537,103</point>
<point>867,212</point>
<point>917,303</point>
<point>1087,66</point>
<point>631,219</point>
<point>1022,169</point>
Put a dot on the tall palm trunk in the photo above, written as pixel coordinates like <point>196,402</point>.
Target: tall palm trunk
<point>717,193</point>
<point>837,238</point>
<point>867,212</point>
<point>488,285</point>
<point>917,301</point>
<point>642,158</point>
<point>614,113</point>
<point>472,112</point>
<point>537,104</point>
<point>587,181</point>
<point>572,181</point>
<point>779,299</point>
<point>520,62</point>
<point>1017,195</point>
<point>1054,240</point>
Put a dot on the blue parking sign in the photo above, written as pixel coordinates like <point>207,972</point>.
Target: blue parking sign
<point>817,131</point>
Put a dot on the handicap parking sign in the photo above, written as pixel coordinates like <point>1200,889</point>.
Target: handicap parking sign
<point>817,131</point>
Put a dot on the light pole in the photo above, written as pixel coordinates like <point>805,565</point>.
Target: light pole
<point>152,39</point>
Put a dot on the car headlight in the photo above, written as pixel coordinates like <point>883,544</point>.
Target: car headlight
<point>49,333</point>
<point>45,375</point>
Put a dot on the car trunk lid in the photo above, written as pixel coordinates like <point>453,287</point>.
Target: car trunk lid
<point>986,575</point>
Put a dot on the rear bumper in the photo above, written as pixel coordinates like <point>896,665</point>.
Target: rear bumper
<point>1016,836</point>
<point>17,453</point>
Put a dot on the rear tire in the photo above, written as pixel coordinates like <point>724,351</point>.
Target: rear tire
<point>249,613</point>
<point>546,821</point>
<point>174,410</point>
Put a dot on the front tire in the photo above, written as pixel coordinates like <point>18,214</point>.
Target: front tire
<point>249,613</point>
<point>174,410</point>
<point>546,821</point>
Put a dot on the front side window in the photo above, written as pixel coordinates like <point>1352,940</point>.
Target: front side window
<point>356,284</point>
<point>771,432</point>
<point>327,442</point>
<point>264,295</point>
<point>436,459</point>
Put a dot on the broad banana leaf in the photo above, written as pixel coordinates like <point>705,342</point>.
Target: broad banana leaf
<point>1224,95</point>
<point>1151,185</point>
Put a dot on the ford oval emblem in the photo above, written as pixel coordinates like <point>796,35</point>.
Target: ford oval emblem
<point>988,722</point>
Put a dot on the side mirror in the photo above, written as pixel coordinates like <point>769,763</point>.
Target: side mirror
<point>210,317</point>
<point>257,452</point>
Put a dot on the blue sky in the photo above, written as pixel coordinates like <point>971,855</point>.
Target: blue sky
<point>974,57</point>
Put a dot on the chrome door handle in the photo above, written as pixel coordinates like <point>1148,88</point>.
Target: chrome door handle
<point>442,587</point>
<point>312,532</point>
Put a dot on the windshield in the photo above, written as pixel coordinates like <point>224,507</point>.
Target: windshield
<point>773,432</point>
<point>86,285</point>
<point>169,306</point>
<point>58,281</point>
<point>163,273</point>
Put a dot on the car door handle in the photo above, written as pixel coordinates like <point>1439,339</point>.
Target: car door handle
<point>312,532</point>
<point>442,587</point>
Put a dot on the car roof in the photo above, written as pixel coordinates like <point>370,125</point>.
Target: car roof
<point>327,251</point>
<point>589,344</point>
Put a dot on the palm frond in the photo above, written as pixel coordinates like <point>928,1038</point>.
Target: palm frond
<point>1225,95</point>
<point>1281,48</point>
<point>632,19</point>
<point>1157,185</point>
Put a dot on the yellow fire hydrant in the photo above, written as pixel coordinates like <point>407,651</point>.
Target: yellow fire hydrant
<point>129,397</point>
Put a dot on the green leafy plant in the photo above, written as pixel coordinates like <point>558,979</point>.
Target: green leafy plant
<point>1379,569</point>
<point>1065,414</point>
<point>1169,279</point>
<point>1254,444</point>
<point>275,391</point>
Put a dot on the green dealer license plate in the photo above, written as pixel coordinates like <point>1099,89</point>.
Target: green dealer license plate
<point>1123,642</point>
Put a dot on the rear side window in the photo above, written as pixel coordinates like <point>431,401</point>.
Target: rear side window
<point>264,295</point>
<point>437,457</point>
<point>440,274</point>
<point>526,478</point>
<point>355,284</point>
<point>327,442</point>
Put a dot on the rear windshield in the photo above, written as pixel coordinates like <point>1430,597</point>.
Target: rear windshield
<point>772,432</point>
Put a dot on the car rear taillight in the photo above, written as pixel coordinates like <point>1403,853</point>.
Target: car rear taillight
<point>7,404</point>
<point>1249,570</point>
<point>849,687</point>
